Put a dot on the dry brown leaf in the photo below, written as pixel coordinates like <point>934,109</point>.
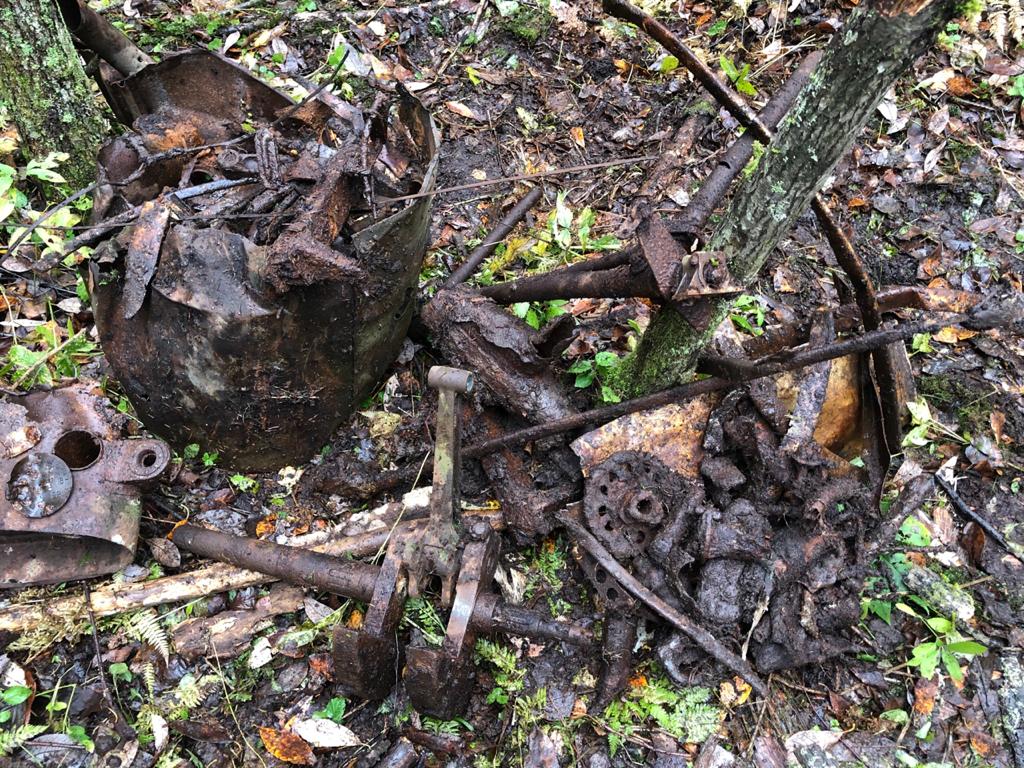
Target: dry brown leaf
<point>462,110</point>
<point>287,746</point>
<point>266,526</point>
<point>953,335</point>
<point>576,134</point>
<point>997,420</point>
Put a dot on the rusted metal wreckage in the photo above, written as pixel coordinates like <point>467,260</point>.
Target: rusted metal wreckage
<point>252,282</point>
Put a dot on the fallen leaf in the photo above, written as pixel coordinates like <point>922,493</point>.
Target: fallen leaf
<point>261,653</point>
<point>462,110</point>
<point>576,134</point>
<point>325,734</point>
<point>287,746</point>
<point>266,526</point>
<point>960,86</point>
<point>997,420</point>
<point>953,335</point>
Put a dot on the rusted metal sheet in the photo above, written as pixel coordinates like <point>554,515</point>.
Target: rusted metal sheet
<point>672,433</point>
<point>70,507</point>
<point>268,282</point>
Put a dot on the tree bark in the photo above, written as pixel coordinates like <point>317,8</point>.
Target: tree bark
<point>46,90</point>
<point>863,60</point>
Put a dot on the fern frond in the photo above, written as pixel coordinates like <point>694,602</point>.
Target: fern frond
<point>149,677</point>
<point>997,24</point>
<point>1015,14</point>
<point>145,627</point>
<point>13,739</point>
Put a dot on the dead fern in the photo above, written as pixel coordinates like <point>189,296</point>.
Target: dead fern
<point>50,628</point>
<point>149,677</point>
<point>1015,14</point>
<point>13,739</point>
<point>145,627</point>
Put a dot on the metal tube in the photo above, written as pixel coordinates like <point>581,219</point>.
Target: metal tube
<point>103,38</point>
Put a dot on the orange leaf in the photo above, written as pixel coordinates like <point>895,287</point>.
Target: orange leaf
<point>576,134</point>
<point>952,335</point>
<point>266,526</point>
<point>355,620</point>
<point>462,110</point>
<point>637,682</point>
<point>857,202</point>
<point>960,86</point>
<point>286,746</point>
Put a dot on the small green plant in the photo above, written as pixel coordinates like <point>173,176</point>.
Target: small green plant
<point>718,28</point>
<point>925,429</point>
<point>537,313</point>
<point>244,484</point>
<point>508,674</point>
<point>569,236</point>
<point>46,355</point>
<point>210,459</point>
<point>1016,88</point>
<point>421,613</point>
<point>119,672</point>
<point>748,314</point>
<point>684,713</point>
<point>738,77</point>
<point>446,727</point>
<point>524,19</point>
<point>600,370</point>
<point>946,647</point>
<point>921,344</point>
<point>333,710</point>
<point>190,451</point>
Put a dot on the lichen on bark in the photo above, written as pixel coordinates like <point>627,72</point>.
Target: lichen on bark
<point>45,89</point>
<point>879,43</point>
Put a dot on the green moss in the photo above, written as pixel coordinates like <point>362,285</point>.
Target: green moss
<point>972,406</point>
<point>528,22</point>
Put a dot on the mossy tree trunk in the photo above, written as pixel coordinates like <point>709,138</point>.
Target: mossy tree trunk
<point>878,44</point>
<point>45,88</point>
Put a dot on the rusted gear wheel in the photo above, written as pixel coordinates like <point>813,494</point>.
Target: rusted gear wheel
<point>627,498</point>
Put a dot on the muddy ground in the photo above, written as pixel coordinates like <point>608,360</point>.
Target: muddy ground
<point>933,194</point>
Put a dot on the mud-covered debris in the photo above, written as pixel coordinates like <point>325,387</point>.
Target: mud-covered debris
<point>258,282</point>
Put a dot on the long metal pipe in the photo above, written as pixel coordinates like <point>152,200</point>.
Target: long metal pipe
<point>356,580</point>
<point>103,38</point>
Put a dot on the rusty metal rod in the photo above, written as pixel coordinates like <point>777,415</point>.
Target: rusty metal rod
<point>494,237</point>
<point>356,580</point>
<point>692,219</point>
<point>102,38</point>
<point>727,97</point>
<point>635,280</point>
<point>708,642</point>
<point>871,315</point>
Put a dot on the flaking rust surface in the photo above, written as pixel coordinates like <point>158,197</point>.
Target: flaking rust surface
<point>673,433</point>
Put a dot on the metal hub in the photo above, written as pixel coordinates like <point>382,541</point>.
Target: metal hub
<point>627,498</point>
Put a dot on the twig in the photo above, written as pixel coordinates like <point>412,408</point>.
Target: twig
<point>122,725</point>
<point>526,177</point>
<point>969,514</point>
<point>708,642</point>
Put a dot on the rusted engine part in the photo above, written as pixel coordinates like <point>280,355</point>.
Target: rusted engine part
<point>359,581</point>
<point>783,516</point>
<point>71,502</point>
<point>103,38</point>
<point>264,294</point>
<point>529,487</point>
<point>463,559</point>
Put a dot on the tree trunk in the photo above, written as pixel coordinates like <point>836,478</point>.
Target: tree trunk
<point>45,88</point>
<point>863,60</point>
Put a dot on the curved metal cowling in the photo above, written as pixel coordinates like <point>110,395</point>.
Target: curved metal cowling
<point>257,352</point>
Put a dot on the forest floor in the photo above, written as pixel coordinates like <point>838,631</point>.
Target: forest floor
<point>933,192</point>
